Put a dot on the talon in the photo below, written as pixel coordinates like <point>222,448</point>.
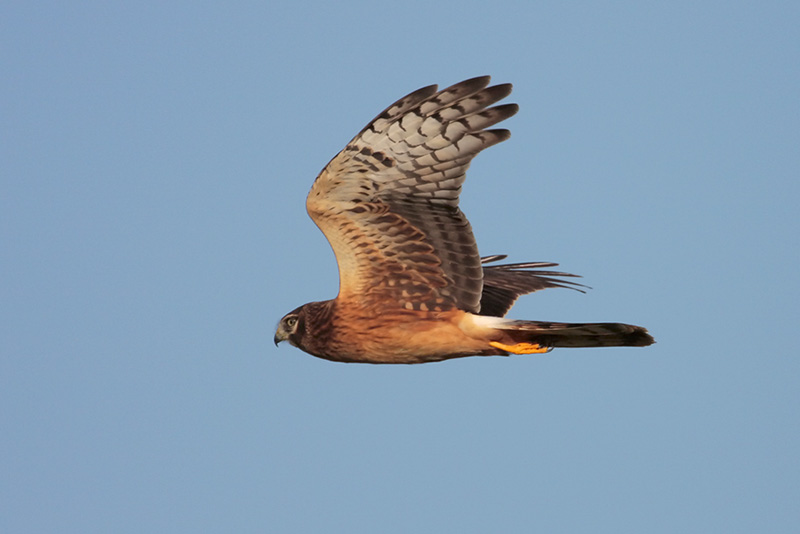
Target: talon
<point>521,348</point>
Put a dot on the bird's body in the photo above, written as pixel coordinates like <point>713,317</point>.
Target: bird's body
<point>412,286</point>
<point>397,337</point>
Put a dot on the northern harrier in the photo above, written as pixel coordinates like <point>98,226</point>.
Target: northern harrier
<point>412,286</point>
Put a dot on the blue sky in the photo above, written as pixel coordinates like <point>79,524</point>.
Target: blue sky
<point>154,163</point>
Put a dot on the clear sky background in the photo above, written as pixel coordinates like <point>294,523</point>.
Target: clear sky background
<point>155,158</point>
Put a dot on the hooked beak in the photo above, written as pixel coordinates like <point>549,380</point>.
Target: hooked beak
<point>280,335</point>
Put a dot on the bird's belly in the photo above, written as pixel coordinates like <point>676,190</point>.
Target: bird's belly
<point>422,339</point>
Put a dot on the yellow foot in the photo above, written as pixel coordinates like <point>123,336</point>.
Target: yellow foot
<point>520,348</point>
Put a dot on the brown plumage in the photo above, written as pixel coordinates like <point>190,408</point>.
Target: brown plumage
<point>412,286</point>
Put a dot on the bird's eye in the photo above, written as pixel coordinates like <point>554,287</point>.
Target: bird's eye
<point>291,321</point>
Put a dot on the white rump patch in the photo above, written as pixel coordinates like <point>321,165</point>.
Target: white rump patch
<point>487,321</point>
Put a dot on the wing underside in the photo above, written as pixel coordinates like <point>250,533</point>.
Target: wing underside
<point>388,202</point>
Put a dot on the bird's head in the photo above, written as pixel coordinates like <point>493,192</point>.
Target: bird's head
<point>291,328</point>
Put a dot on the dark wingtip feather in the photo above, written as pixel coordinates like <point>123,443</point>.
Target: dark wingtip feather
<point>495,257</point>
<point>495,136</point>
<point>500,91</point>
<point>477,82</point>
<point>504,111</point>
<point>503,284</point>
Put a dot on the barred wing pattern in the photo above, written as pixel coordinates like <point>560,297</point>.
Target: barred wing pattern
<point>388,202</point>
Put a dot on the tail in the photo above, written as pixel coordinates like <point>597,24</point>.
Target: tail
<point>533,336</point>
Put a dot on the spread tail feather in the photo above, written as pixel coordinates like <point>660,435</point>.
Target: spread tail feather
<point>550,335</point>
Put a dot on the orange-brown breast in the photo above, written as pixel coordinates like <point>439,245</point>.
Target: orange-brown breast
<point>405,337</point>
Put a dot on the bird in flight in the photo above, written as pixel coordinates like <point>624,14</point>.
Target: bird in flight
<point>412,286</point>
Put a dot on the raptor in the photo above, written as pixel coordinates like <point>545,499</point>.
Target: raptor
<point>412,286</point>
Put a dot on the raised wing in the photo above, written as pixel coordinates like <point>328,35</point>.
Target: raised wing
<point>504,284</point>
<point>388,202</point>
